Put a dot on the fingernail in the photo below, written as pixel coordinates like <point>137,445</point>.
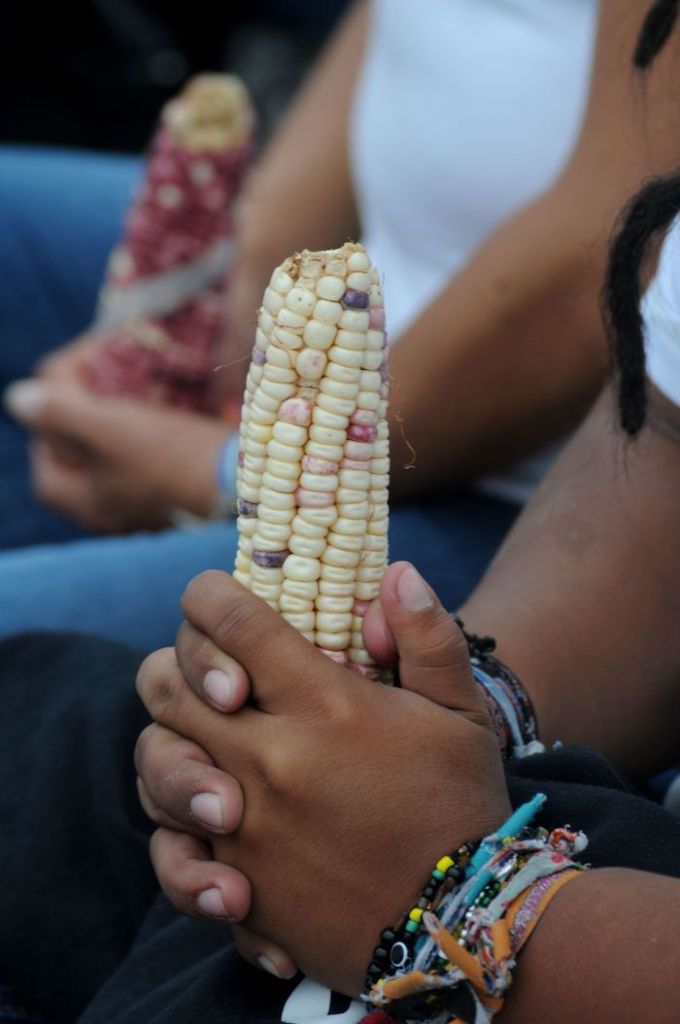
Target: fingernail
<point>219,688</point>
<point>210,902</point>
<point>208,809</point>
<point>413,593</point>
<point>24,399</point>
<point>270,967</point>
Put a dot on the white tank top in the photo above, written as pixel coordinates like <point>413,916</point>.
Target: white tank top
<point>465,110</point>
<point>661,317</point>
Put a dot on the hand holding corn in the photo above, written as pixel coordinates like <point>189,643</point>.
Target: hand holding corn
<point>314,450</point>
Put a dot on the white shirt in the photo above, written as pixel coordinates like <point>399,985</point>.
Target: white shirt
<point>465,111</point>
<point>661,319</point>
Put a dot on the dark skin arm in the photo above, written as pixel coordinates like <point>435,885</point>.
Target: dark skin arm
<point>511,353</point>
<point>593,565</point>
<point>507,357</point>
<point>605,950</point>
<point>622,919</point>
<point>300,194</point>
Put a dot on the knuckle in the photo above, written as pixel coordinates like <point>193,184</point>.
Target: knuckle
<point>157,680</point>
<point>198,588</point>
<point>203,655</point>
<point>168,860</point>
<point>157,853</point>
<point>195,652</point>
<point>443,645</point>
<point>49,407</point>
<point>141,753</point>
<point>337,706</point>
<point>148,806</point>
<point>153,758</point>
<point>236,618</point>
<point>162,861</point>
<point>226,613</point>
<point>281,772</point>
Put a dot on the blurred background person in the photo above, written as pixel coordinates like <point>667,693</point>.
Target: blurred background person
<point>482,150</point>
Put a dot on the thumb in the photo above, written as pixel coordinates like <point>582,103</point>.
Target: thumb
<point>52,408</point>
<point>432,652</point>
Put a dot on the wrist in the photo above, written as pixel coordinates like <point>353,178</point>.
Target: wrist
<point>509,705</point>
<point>458,948</point>
<point>189,481</point>
<point>226,470</point>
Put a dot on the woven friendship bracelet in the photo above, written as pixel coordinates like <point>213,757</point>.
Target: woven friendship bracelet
<point>509,705</point>
<point>468,940</point>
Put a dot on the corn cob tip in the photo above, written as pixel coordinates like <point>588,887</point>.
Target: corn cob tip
<point>213,111</point>
<point>314,450</point>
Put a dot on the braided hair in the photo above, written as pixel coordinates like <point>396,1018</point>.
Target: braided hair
<point>656,29</point>
<point>648,214</point>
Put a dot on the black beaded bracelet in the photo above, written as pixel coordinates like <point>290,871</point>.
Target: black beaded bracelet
<point>505,695</point>
<point>396,945</point>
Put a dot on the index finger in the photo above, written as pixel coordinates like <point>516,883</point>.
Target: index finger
<point>211,674</point>
<point>282,665</point>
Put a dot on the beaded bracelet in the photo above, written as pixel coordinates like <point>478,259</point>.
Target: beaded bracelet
<point>510,706</point>
<point>462,961</point>
<point>395,948</point>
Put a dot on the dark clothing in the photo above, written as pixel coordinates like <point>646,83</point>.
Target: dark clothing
<point>85,934</point>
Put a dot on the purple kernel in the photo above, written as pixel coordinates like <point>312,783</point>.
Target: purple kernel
<point>355,432</point>
<point>246,508</point>
<point>270,559</point>
<point>259,357</point>
<point>384,371</point>
<point>352,299</point>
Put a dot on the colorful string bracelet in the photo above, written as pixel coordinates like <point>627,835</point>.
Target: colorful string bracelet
<point>395,948</point>
<point>509,705</point>
<point>463,960</point>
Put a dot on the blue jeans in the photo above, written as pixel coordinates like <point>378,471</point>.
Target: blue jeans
<point>128,588</point>
<point>61,211</point>
<point>63,214</point>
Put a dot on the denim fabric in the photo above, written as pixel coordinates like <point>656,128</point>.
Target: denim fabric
<point>128,588</point>
<point>61,212</point>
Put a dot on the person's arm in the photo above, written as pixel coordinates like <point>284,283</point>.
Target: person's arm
<point>117,464</point>
<point>300,194</point>
<point>584,595</point>
<point>606,949</point>
<point>512,352</point>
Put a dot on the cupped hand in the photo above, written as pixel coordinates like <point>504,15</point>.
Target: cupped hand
<point>68,363</point>
<point>351,790</point>
<point>182,790</point>
<point>116,464</point>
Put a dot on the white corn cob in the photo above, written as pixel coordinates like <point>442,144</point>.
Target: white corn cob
<point>314,450</point>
